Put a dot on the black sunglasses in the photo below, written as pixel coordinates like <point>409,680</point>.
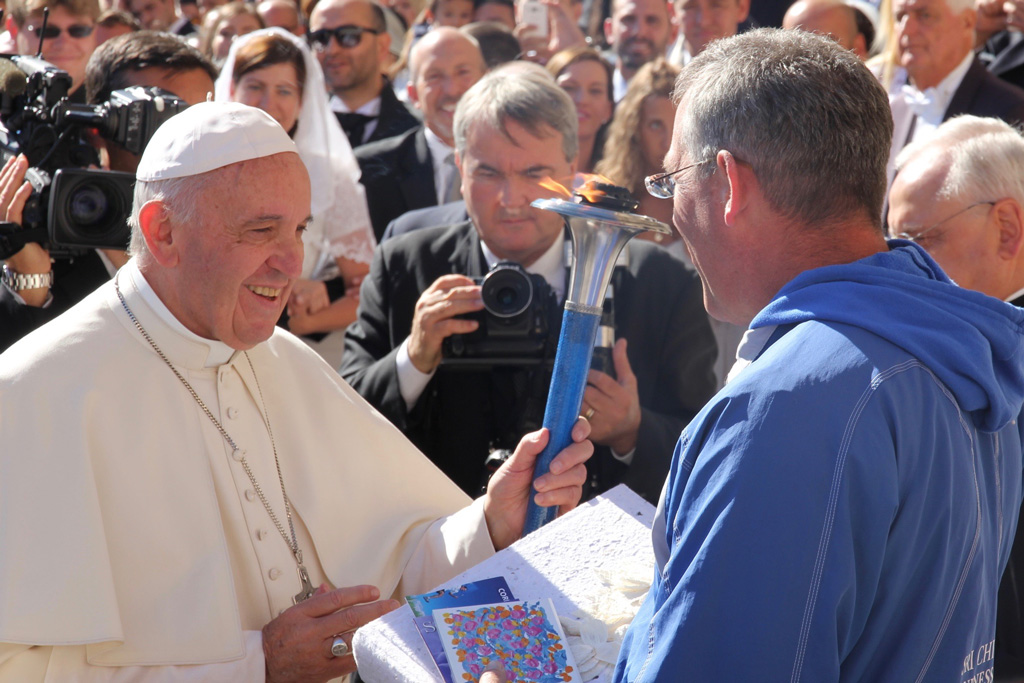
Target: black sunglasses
<point>347,36</point>
<point>51,32</point>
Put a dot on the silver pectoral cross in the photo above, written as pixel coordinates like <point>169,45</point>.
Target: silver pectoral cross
<point>307,587</point>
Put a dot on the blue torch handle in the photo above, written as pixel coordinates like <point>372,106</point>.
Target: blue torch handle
<point>568,380</point>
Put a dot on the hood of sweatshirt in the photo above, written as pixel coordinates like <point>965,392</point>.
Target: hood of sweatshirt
<point>973,343</point>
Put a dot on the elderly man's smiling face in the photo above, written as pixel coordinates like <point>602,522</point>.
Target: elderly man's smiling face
<point>237,262</point>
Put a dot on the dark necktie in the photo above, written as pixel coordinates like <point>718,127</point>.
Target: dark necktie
<point>354,126</point>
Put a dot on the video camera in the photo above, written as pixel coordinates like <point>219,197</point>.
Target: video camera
<point>72,207</point>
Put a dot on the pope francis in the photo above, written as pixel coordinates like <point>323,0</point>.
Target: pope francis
<point>187,492</point>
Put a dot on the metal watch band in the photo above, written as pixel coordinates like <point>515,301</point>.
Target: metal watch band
<point>19,281</point>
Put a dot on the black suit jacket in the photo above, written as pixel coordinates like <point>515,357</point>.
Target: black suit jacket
<point>983,94</point>
<point>658,309</point>
<point>73,279</point>
<point>394,119</point>
<point>430,217</point>
<point>1004,56</point>
<point>398,175</point>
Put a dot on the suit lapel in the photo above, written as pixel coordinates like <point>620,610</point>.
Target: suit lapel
<point>964,96</point>
<point>468,258</point>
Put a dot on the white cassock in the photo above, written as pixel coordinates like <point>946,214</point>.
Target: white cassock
<point>131,537</point>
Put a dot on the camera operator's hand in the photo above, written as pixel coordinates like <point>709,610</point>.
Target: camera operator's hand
<point>32,258</point>
<point>297,644</point>
<point>615,402</point>
<point>434,318</point>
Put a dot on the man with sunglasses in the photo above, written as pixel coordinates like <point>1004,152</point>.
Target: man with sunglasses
<point>843,508</point>
<point>351,41</point>
<point>68,39</point>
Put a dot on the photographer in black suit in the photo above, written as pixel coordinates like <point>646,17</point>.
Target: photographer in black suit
<point>513,129</point>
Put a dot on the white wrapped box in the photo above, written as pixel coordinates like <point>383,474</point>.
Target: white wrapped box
<point>575,561</point>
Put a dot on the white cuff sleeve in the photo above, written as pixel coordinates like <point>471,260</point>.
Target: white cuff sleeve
<point>411,382</point>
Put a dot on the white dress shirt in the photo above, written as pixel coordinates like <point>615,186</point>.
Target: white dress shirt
<point>443,172</point>
<point>924,110</point>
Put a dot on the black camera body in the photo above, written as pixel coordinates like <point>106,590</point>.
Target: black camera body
<point>520,311</point>
<point>72,207</point>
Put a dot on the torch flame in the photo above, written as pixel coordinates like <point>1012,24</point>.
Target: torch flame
<point>555,186</point>
<point>588,187</point>
<point>585,185</point>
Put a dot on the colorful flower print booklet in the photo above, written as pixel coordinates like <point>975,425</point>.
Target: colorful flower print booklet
<point>469,627</point>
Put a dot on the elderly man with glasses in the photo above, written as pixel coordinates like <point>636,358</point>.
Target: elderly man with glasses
<point>351,41</point>
<point>67,40</point>
<point>843,509</point>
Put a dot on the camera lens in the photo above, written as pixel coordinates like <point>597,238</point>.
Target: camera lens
<point>88,207</point>
<point>507,290</point>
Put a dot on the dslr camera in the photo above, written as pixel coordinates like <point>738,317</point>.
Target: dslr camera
<point>520,310</point>
<point>72,207</point>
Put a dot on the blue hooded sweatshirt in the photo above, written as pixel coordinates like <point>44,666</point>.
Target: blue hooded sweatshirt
<point>844,508</point>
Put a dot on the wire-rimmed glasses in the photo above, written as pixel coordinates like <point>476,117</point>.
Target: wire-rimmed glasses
<point>663,185</point>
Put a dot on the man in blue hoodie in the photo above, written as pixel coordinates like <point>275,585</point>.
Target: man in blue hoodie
<point>842,510</point>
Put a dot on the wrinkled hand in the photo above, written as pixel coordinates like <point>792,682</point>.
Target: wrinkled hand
<point>307,297</point>
<point>297,644</point>
<point>616,404</point>
<point>435,318</point>
<point>508,491</point>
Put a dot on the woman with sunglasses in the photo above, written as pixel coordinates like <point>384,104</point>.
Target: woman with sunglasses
<point>67,41</point>
<point>275,71</point>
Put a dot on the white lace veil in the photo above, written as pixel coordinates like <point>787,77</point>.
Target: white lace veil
<point>341,221</point>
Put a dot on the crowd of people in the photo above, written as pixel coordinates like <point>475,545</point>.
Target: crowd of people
<point>816,375</point>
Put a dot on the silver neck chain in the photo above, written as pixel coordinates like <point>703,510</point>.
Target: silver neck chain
<point>293,543</point>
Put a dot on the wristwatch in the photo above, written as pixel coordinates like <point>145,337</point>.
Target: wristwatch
<point>18,282</point>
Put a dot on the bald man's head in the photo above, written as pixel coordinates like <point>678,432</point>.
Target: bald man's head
<point>832,18</point>
<point>443,65</point>
<point>282,13</point>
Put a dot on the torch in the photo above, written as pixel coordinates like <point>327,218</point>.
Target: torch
<point>601,219</point>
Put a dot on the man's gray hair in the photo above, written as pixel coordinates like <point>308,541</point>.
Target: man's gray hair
<point>806,114</point>
<point>529,97</point>
<point>983,157</point>
<point>181,197</point>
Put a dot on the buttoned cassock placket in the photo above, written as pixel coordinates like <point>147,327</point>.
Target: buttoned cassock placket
<point>259,554</point>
